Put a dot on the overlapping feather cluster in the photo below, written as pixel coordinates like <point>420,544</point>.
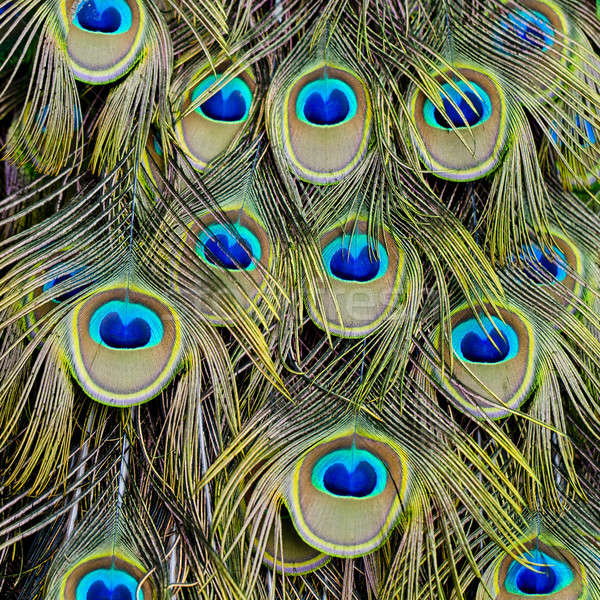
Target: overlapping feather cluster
<point>299,299</point>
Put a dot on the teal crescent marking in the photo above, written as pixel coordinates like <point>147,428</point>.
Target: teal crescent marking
<point>563,575</point>
<point>111,579</point>
<point>490,325</point>
<point>450,94</point>
<point>243,235</point>
<point>128,311</point>
<point>101,5</point>
<point>349,458</point>
<point>235,85</point>
<point>355,243</point>
<point>324,87</point>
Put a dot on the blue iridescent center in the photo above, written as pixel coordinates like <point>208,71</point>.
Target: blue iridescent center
<point>43,117</point>
<point>156,145</point>
<point>532,27</point>
<point>108,584</point>
<point>538,262</point>
<point>584,142</point>
<point>70,293</point>
<point>350,473</point>
<point>547,576</point>
<point>125,326</point>
<point>230,247</point>
<point>103,16</point>
<point>231,103</point>
<point>354,257</point>
<point>495,343</point>
<point>326,102</point>
<point>470,105</point>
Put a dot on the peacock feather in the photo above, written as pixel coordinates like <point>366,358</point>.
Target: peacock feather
<point>299,299</point>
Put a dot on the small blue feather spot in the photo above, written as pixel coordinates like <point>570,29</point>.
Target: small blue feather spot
<point>357,482</point>
<point>482,348</point>
<point>226,252</point>
<point>467,113</point>
<point>116,334</point>
<point>531,582</point>
<point>99,591</point>
<point>221,108</point>
<point>92,19</point>
<point>349,267</point>
<point>329,110</point>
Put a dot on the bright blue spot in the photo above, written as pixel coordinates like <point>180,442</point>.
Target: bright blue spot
<point>230,104</point>
<point>589,132</point>
<point>490,348</point>
<point>157,146</point>
<point>329,111</point>
<point>350,473</point>
<point>532,27</point>
<point>530,582</point>
<point>496,343</point>
<point>220,108</point>
<point>326,102</point>
<point>584,142</point>
<point>225,251</point>
<point>44,116</point>
<point>359,482</point>
<point>103,16</point>
<point>116,334</point>
<point>472,106</point>
<point>108,584</point>
<point>352,257</point>
<point>125,326</point>
<point>551,576</point>
<point>99,591</point>
<point>69,294</point>
<point>469,110</point>
<point>537,261</point>
<point>229,248</point>
<point>363,267</point>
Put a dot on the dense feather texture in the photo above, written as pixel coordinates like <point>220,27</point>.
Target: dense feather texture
<point>299,299</point>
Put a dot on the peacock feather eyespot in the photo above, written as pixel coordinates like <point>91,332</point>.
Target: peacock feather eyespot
<point>364,279</point>
<point>124,345</point>
<point>550,577</point>
<point>106,578</point>
<point>104,37</point>
<point>353,258</point>
<point>124,325</point>
<point>64,283</point>
<point>525,29</point>
<point>544,268</point>
<point>67,295</point>
<point>350,473</point>
<point>325,123</point>
<point>232,248</point>
<point>230,104</point>
<point>295,556</point>
<point>484,340</point>
<point>539,30</point>
<point>462,135</point>
<point>346,493</point>
<point>110,17</point>
<point>207,131</point>
<point>493,355</point>
<point>326,103</point>
<point>553,573</point>
<point>238,251</point>
<point>559,267</point>
<point>468,107</point>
